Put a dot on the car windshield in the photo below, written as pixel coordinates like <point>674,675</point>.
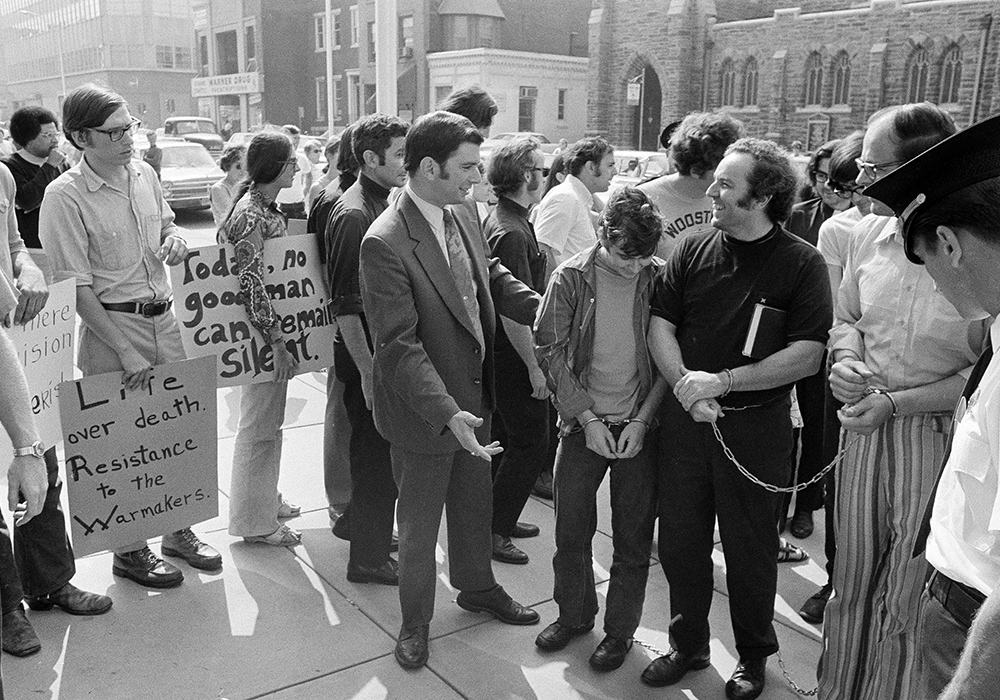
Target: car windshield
<point>193,156</point>
<point>194,127</point>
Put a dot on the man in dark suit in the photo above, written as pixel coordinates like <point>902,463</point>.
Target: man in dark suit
<point>429,293</point>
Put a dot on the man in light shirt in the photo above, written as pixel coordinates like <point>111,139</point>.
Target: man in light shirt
<point>951,226</point>
<point>901,357</point>
<point>565,219</point>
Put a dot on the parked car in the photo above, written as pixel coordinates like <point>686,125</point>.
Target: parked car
<point>186,173</point>
<point>636,167</point>
<point>197,130</point>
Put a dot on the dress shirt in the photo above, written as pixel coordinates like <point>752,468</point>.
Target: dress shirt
<point>889,313</point>
<point>105,237</point>
<point>12,242</point>
<point>835,236</point>
<point>435,217</point>
<point>563,219</point>
<point>964,542</point>
<point>31,158</point>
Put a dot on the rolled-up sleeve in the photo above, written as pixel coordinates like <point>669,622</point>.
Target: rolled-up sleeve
<point>64,237</point>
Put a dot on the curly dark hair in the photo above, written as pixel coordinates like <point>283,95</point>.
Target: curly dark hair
<point>509,163</point>
<point>701,140</point>
<point>588,150</point>
<point>375,133</point>
<point>772,176</point>
<point>231,156</point>
<point>632,221</point>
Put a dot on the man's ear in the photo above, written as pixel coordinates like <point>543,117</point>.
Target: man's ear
<point>429,168</point>
<point>949,244</point>
<point>81,137</point>
<point>370,158</point>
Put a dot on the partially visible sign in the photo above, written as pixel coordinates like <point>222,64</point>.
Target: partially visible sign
<point>231,84</point>
<point>45,349</point>
<point>632,96</point>
<point>214,322</point>
<point>140,463</point>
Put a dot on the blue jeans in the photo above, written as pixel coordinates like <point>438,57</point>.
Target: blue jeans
<point>578,475</point>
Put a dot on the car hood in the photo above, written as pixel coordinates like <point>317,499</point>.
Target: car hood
<point>207,140</point>
<point>177,174</point>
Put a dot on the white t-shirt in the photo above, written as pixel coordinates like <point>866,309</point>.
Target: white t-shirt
<point>681,215</point>
<point>835,236</point>
<point>564,219</point>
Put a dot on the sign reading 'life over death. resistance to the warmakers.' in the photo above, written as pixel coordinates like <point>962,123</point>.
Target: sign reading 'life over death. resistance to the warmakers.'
<point>213,320</point>
<point>144,462</point>
<point>45,350</point>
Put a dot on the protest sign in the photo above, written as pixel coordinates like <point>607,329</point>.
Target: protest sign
<point>140,463</point>
<point>213,319</point>
<point>45,349</point>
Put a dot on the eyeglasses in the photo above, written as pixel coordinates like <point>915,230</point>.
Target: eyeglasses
<point>536,170</point>
<point>820,176</point>
<point>290,161</point>
<point>845,190</point>
<point>871,169</point>
<point>119,133</point>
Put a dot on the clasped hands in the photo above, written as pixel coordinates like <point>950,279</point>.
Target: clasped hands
<point>864,411</point>
<point>697,392</point>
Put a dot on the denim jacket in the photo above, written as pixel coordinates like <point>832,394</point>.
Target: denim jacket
<point>564,333</point>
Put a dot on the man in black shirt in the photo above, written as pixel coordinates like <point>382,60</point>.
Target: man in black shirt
<point>37,162</point>
<point>516,175</point>
<point>739,315</point>
<point>378,144</point>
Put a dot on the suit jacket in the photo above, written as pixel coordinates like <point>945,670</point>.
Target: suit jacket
<point>427,362</point>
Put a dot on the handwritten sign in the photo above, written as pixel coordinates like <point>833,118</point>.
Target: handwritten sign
<point>213,319</point>
<point>45,349</point>
<point>140,463</point>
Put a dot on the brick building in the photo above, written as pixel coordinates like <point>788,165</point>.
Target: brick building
<point>807,71</point>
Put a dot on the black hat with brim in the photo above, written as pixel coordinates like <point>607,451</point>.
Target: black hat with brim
<point>961,160</point>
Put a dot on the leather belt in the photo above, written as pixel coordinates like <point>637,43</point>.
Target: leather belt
<point>963,602</point>
<point>148,309</point>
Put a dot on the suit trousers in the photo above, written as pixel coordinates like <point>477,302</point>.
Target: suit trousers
<point>157,339</point>
<point>253,492</point>
<point>41,559</point>
<point>578,476</point>
<point>697,484</point>
<point>459,483</point>
<point>525,427</point>
<point>336,444</point>
<point>870,626</point>
<point>373,491</point>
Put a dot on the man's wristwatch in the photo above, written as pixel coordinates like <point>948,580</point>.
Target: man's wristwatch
<point>35,449</point>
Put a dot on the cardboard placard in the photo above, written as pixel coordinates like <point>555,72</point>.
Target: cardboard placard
<point>45,349</point>
<point>140,463</point>
<point>213,319</point>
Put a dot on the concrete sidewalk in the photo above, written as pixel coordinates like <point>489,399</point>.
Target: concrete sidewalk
<point>286,623</point>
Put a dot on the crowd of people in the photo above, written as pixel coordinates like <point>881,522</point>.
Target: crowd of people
<point>711,338</point>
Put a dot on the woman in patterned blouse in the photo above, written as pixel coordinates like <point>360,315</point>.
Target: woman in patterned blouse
<point>255,502</point>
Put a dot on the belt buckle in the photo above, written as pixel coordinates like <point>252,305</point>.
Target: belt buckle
<point>149,309</point>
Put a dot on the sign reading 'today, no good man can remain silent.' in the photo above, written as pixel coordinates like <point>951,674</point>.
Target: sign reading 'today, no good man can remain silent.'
<point>140,463</point>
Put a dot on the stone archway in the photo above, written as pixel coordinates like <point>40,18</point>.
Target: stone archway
<point>643,120</point>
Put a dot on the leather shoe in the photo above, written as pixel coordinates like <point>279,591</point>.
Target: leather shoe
<point>667,670</point>
<point>801,525</point>
<point>610,653</point>
<point>557,635</point>
<point>342,527</point>
<point>72,600</point>
<point>144,567</point>
<point>186,545</point>
<point>19,638</point>
<point>523,530</point>
<point>505,551</point>
<point>387,574</point>
<point>498,603</point>
<point>747,681</point>
<point>815,607</point>
<point>394,544</point>
<point>411,649</point>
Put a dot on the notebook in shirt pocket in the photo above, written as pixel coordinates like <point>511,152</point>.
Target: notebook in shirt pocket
<point>113,250</point>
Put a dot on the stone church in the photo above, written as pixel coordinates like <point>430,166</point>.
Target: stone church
<point>804,71</point>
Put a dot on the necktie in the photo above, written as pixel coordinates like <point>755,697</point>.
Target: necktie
<point>461,269</point>
<point>970,387</point>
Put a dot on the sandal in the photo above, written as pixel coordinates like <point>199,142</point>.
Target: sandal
<point>788,552</point>
<point>288,510</point>
<point>284,536</point>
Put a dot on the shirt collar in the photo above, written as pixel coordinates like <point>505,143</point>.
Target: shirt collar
<point>576,184</point>
<point>31,158</point>
<point>890,232</point>
<point>514,207</point>
<point>373,188</point>
<point>995,335</point>
<point>95,181</point>
<point>434,214</point>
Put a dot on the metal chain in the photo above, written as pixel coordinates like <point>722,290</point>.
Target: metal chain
<point>771,487</point>
<point>781,663</point>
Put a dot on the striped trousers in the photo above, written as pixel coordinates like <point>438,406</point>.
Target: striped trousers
<point>870,630</point>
